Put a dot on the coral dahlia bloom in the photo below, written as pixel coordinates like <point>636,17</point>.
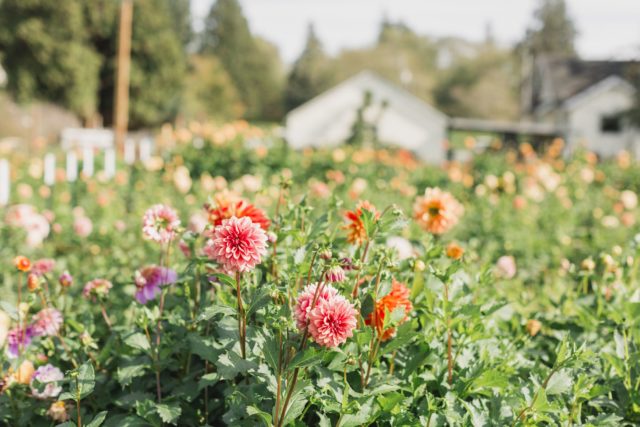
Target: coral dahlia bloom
<point>398,297</point>
<point>150,279</point>
<point>97,288</point>
<point>46,322</point>
<point>454,251</point>
<point>226,206</point>
<point>437,211</point>
<point>305,300</point>
<point>355,226</point>
<point>45,382</point>
<point>160,223</point>
<point>332,321</point>
<point>238,244</point>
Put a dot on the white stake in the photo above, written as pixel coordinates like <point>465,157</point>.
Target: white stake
<point>145,149</point>
<point>72,166</point>
<point>129,151</point>
<point>109,162</point>
<point>87,161</point>
<point>5,185</point>
<point>50,169</point>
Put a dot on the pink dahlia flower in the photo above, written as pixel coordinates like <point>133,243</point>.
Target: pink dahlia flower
<point>96,288</point>
<point>46,382</point>
<point>332,321</point>
<point>82,226</point>
<point>150,279</point>
<point>46,322</point>
<point>160,223</point>
<point>43,266</point>
<point>305,299</point>
<point>238,244</point>
<point>17,339</point>
<point>506,267</point>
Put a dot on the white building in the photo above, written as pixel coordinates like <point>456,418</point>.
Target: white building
<point>398,118</point>
<point>586,100</point>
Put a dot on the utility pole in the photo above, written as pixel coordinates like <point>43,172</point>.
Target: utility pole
<point>121,104</point>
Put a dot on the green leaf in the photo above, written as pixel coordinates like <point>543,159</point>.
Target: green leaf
<point>85,382</point>
<point>125,374</point>
<point>271,352</point>
<point>10,309</point>
<point>67,424</point>
<point>138,341</point>
<point>265,417</point>
<point>324,420</point>
<point>226,280</point>
<point>491,378</point>
<point>261,299</point>
<point>367,306</point>
<point>560,382</point>
<point>97,420</point>
<point>541,404</point>
<point>358,419</point>
<point>307,358</point>
<point>169,412</point>
<point>231,364</point>
<point>214,310</point>
<point>200,346</point>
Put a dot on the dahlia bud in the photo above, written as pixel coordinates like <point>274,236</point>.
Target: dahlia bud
<point>325,254</point>
<point>454,251</point>
<point>25,372</point>
<point>58,411</point>
<point>588,265</point>
<point>33,282</point>
<point>65,279</point>
<point>347,264</point>
<point>533,327</point>
<point>420,265</point>
<point>335,274</point>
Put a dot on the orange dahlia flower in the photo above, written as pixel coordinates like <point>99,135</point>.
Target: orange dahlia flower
<point>398,297</point>
<point>225,206</point>
<point>355,226</point>
<point>437,211</point>
<point>22,263</point>
<point>454,251</point>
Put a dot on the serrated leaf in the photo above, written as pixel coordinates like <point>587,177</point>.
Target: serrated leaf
<point>169,413</point>
<point>265,417</point>
<point>226,280</point>
<point>231,364</point>
<point>307,358</point>
<point>97,420</point>
<point>125,374</point>
<point>560,382</point>
<point>85,382</point>
<point>138,341</point>
<point>214,310</point>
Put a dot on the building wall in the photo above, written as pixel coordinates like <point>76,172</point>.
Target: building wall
<point>585,122</point>
<point>328,119</point>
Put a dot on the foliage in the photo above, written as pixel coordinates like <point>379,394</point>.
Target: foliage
<point>309,75</point>
<point>554,31</point>
<point>252,63</point>
<point>554,342</point>
<point>42,43</point>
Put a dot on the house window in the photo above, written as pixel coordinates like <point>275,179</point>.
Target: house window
<point>611,124</point>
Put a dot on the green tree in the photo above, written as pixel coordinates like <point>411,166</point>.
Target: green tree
<point>158,60</point>
<point>553,31</point>
<point>47,54</point>
<point>309,75</point>
<point>252,64</point>
<point>209,92</point>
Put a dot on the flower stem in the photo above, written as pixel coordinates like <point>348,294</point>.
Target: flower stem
<point>363,258</point>
<point>242,321</point>
<point>449,339</point>
<point>105,316</point>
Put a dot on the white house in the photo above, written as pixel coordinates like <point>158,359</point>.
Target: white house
<point>398,117</point>
<point>587,101</point>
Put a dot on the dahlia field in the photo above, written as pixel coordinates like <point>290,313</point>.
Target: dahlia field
<point>229,280</point>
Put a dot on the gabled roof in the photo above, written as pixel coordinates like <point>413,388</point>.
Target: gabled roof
<point>369,78</point>
<point>558,79</point>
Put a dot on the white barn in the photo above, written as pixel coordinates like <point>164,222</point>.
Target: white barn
<point>401,119</point>
<point>586,100</point>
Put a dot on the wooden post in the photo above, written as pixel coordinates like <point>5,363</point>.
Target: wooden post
<point>121,109</point>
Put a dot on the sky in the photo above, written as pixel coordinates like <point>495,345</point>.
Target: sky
<point>607,28</point>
